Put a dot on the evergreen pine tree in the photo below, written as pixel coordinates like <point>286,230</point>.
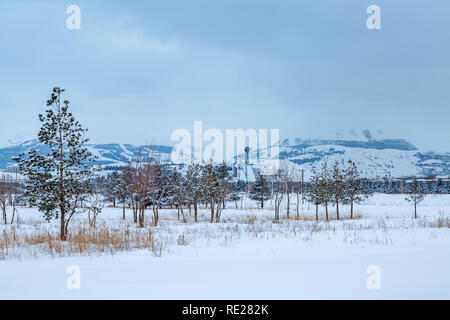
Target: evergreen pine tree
<point>314,192</point>
<point>416,194</point>
<point>325,188</point>
<point>234,196</point>
<point>56,180</point>
<point>261,190</point>
<point>355,189</point>
<point>211,187</point>
<point>111,181</point>
<point>177,189</point>
<point>222,175</point>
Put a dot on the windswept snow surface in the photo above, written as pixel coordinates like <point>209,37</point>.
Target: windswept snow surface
<point>247,256</point>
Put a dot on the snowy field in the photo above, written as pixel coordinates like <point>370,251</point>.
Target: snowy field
<point>246,256</point>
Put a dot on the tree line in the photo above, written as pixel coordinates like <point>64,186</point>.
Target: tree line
<point>65,181</point>
<point>146,183</point>
<point>335,186</point>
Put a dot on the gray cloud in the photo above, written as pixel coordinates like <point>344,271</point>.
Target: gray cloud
<point>135,72</point>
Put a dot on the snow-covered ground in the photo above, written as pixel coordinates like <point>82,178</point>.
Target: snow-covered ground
<point>248,256</point>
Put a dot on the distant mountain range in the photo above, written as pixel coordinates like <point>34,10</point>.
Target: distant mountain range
<point>376,157</point>
<point>112,154</point>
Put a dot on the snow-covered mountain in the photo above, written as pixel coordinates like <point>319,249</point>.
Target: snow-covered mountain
<point>112,154</point>
<point>375,155</point>
<point>393,158</point>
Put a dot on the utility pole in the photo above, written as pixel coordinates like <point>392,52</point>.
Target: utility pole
<point>247,163</point>
<point>303,181</point>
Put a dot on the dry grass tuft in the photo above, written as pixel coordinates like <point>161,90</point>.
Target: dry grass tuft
<point>81,240</point>
<point>249,219</point>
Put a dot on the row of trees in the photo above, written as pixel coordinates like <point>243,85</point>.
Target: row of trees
<point>403,186</point>
<point>147,183</point>
<point>10,191</point>
<point>280,189</point>
<point>337,186</point>
<point>65,181</point>
<point>345,186</point>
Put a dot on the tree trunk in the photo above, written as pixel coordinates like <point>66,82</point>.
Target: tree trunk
<point>134,207</point>
<point>89,218</point>
<point>277,210</point>
<point>326,211</point>
<point>351,210</point>
<point>123,212</point>
<point>4,214</point>
<point>182,214</point>
<point>415,209</point>
<point>218,212</point>
<point>317,212</point>
<point>212,213</point>
<point>141,216</point>
<point>61,182</point>
<point>288,204</point>
<point>13,214</point>
<point>66,228</point>
<point>195,212</point>
<point>63,235</point>
<point>337,210</point>
<point>155,215</point>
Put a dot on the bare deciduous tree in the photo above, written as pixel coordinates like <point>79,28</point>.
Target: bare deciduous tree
<point>287,176</point>
<point>94,201</point>
<point>4,190</point>
<point>277,193</point>
<point>194,187</point>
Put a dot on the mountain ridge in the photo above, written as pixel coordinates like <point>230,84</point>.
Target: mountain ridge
<point>375,157</point>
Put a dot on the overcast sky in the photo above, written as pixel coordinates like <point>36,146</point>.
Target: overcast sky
<point>138,70</point>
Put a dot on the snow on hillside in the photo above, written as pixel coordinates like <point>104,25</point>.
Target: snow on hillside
<point>375,155</point>
<point>372,163</point>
